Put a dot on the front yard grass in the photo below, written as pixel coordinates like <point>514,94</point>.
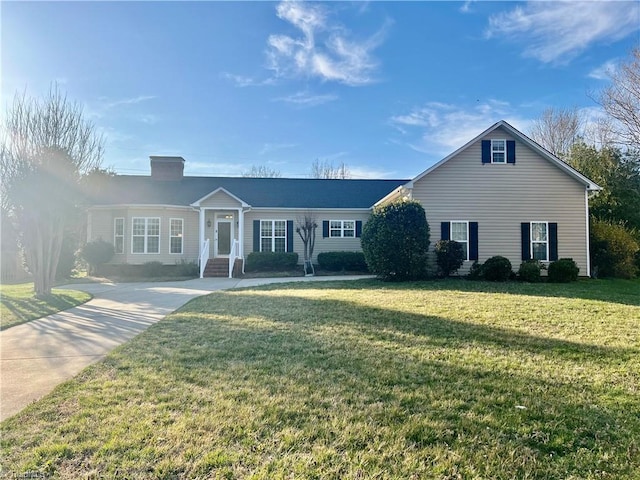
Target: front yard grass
<point>332,380</point>
<point>19,305</point>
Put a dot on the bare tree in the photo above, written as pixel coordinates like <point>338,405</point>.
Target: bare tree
<point>558,129</point>
<point>46,147</point>
<point>262,171</point>
<point>621,99</point>
<point>325,169</point>
<point>306,229</point>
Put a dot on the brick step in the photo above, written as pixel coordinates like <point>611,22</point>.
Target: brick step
<point>218,267</point>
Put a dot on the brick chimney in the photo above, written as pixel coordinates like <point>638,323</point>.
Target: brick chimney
<point>167,168</point>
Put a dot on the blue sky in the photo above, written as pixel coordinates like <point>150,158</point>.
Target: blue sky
<point>388,88</point>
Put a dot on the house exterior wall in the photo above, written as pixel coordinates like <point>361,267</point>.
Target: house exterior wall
<point>502,196</point>
<point>327,244</point>
<point>102,226</point>
<point>220,200</point>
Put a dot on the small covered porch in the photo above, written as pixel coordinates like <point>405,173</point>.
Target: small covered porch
<point>221,230</point>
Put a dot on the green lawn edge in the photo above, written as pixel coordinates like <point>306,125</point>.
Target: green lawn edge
<point>18,305</point>
<point>363,379</point>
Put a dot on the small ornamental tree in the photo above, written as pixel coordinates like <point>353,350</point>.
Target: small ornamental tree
<point>395,241</point>
<point>306,229</point>
<point>449,257</point>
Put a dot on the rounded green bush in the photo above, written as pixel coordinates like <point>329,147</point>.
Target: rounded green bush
<point>529,271</point>
<point>338,261</point>
<point>497,269</point>
<point>395,241</point>
<point>449,257</point>
<point>564,270</point>
<point>97,253</point>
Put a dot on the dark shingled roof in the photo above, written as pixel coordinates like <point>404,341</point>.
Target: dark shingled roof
<point>257,192</point>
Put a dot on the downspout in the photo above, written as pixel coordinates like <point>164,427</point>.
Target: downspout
<point>586,205</point>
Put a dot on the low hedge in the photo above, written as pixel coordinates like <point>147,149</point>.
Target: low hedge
<point>529,271</point>
<point>338,261</point>
<point>497,269</point>
<point>564,270</point>
<point>271,261</point>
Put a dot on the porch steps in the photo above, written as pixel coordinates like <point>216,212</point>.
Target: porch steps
<point>217,267</point>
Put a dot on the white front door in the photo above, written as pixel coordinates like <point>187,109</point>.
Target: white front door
<point>223,237</point>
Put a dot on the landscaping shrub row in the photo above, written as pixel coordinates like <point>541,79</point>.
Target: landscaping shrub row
<point>151,270</point>
<point>342,261</point>
<point>271,261</point>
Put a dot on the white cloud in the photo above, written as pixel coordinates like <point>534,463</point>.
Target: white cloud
<point>126,101</point>
<point>244,81</point>
<point>323,50</point>
<point>273,147</point>
<point>440,128</point>
<point>556,32</point>
<point>604,71</point>
<point>306,99</point>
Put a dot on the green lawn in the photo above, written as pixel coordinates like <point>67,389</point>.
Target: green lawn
<point>18,304</point>
<point>448,379</point>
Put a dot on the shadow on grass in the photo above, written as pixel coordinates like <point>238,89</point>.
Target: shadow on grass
<point>27,309</point>
<point>626,292</point>
<point>272,381</point>
<point>370,362</point>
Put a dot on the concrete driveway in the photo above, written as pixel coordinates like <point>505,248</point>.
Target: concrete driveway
<point>38,355</point>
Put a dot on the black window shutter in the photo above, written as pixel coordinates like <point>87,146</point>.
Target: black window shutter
<point>486,151</point>
<point>473,240</point>
<point>526,240</point>
<point>256,235</point>
<point>358,228</point>
<point>289,235</point>
<point>325,228</point>
<point>511,151</point>
<point>445,227</point>
<point>553,242</point>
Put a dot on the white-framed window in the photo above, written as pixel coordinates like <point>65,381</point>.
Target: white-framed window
<point>273,235</point>
<point>176,231</point>
<point>498,151</point>
<point>540,241</point>
<point>342,228</point>
<point>145,235</point>
<point>460,233</point>
<point>118,235</point>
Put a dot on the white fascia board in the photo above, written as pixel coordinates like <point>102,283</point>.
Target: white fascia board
<point>591,186</point>
<point>223,190</point>
<point>139,205</point>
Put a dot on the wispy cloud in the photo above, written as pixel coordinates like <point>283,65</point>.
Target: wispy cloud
<point>441,128</point>
<point>604,71</point>
<point>324,50</point>
<point>466,6</point>
<point>556,32</point>
<point>244,81</point>
<point>306,99</point>
<point>273,147</point>
<point>126,101</point>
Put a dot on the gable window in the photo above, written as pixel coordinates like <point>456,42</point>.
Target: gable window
<point>342,228</point>
<point>273,235</point>
<point>118,235</point>
<point>145,235</point>
<point>540,241</point>
<point>175,235</point>
<point>460,234</point>
<point>498,151</point>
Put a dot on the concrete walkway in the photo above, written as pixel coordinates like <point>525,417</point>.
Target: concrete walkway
<point>37,356</point>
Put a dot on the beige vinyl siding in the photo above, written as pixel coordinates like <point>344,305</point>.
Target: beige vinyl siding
<point>220,200</point>
<point>102,226</point>
<point>502,196</point>
<point>322,244</point>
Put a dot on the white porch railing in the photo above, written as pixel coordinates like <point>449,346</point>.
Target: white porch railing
<point>233,254</point>
<point>204,257</point>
